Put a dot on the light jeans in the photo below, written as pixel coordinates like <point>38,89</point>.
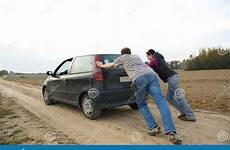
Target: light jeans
<point>180,103</point>
<point>149,84</point>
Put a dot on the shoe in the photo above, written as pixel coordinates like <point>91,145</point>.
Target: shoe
<point>155,131</point>
<point>183,117</point>
<point>174,138</point>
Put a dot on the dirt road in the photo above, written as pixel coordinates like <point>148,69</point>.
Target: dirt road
<point>116,126</point>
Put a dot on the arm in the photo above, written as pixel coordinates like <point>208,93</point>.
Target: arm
<point>153,63</point>
<point>113,65</point>
<point>108,66</point>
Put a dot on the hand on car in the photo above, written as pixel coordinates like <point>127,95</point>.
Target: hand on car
<point>99,64</point>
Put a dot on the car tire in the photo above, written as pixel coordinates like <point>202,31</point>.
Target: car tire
<point>46,97</point>
<point>90,108</point>
<point>133,106</point>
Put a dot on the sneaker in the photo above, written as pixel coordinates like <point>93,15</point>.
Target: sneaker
<point>183,117</point>
<point>155,131</point>
<point>174,138</point>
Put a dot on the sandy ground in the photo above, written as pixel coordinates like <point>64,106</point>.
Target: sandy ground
<point>116,126</point>
<point>20,126</point>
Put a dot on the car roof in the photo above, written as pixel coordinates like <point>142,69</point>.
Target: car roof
<point>95,55</point>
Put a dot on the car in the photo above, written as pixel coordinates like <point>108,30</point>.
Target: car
<point>77,81</point>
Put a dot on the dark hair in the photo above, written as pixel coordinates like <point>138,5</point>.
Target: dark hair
<point>150,52</point>
<point>125,50</point>
<point>147,53</point>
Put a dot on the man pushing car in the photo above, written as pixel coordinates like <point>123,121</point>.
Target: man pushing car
<point>159,65</point>
<point>146,82</point>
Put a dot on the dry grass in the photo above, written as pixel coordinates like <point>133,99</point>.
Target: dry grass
<point>205,89</point>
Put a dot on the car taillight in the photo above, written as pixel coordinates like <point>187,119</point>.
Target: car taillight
<point>98,73</point>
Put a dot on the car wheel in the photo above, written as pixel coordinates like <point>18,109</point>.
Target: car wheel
<point>46,98</point>
<point>89,108</point>
<point>133,106</point>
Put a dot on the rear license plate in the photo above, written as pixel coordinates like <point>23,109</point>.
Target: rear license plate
<point>125,79</point>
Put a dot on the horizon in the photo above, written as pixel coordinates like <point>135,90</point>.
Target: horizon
<point>62,59</point>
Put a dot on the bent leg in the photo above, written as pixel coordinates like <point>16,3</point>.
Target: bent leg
<point>141,100</point>
<point>183,105</point>
<point>172,101</point>
<point>155,92</point>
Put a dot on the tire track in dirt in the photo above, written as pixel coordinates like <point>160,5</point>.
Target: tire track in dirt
<point>116,126</point>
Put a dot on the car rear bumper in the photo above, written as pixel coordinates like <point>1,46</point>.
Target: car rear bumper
<point>115,97</point>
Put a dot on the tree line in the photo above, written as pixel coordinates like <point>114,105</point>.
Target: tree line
<point>208,59</point>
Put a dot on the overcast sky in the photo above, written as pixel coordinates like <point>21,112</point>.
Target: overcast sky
<point>35,35</point>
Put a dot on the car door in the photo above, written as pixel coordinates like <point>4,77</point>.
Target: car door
<point>57,85</point>
<point>80,77</point>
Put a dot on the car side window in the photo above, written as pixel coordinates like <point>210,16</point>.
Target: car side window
<point>82,64</point>
<point>64,69</point>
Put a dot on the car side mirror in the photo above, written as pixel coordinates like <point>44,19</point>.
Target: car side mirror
<point>49,73</point>
<point>65,72</point>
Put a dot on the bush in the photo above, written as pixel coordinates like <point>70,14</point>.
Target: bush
<point>208,59</point>
<point>4,72</point>
<point>211,58</point>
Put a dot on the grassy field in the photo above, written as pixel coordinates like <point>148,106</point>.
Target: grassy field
<point>205,89</point>
<point>34,79</point>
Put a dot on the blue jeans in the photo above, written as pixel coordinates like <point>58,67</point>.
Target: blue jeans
<point>180,103</point>
<point>149,84</point>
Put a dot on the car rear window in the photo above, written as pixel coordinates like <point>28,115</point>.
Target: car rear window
<point>109,58</point>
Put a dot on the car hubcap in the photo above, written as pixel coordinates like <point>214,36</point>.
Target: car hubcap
<point>87,106</point>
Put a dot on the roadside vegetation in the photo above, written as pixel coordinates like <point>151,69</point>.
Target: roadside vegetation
<point>208,59</point>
